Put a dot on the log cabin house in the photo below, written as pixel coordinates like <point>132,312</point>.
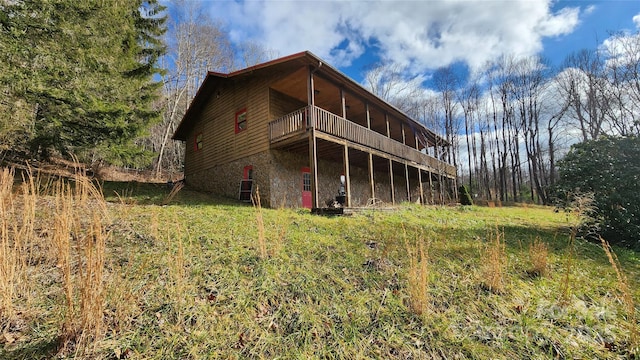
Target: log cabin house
<point>307,135</point>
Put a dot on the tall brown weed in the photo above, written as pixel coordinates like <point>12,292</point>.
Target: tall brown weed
<point>418,274</point>
<point>627,297</point>
<point>494,260</point>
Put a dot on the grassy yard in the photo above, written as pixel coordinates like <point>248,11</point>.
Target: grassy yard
<point>205,277</point>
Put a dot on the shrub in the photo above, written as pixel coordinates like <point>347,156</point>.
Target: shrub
<point>465,197</point>
<point>610,169</point>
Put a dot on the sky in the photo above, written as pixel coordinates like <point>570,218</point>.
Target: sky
<point>421,36</point>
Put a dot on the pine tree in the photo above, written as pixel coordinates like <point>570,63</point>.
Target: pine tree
<point>86,70</point>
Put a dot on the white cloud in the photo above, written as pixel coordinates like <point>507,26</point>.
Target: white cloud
<point>424,34</point>
<point>636,20</point>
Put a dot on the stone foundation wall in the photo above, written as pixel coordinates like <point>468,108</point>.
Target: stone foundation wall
<point>286,179</point>
<point>286,182</point>
<point>225,179</point>
<point>278,174</point>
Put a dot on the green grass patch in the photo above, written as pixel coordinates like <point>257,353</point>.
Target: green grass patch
<point>186,281</point>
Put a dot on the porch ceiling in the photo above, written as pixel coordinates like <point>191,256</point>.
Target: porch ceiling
<point>327,96</point>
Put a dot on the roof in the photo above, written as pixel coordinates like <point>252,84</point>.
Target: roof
<point>213,79</point>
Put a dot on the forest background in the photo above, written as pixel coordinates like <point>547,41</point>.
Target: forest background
<point>110,83</point>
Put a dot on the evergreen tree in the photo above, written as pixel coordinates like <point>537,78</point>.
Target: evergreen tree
<point>85,70</point>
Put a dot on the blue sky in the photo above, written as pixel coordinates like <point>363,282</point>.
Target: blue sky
<point>421,36</point>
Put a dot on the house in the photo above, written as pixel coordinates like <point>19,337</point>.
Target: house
<point>303,133</point>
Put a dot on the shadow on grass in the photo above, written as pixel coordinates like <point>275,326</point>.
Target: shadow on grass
<point>43,349</point>
<point>518,238</point>
<point>155,194</point>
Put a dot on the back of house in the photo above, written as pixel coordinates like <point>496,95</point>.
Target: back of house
<point>306,135</point>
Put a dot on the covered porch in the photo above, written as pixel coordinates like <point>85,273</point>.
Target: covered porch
<point>320,134</point>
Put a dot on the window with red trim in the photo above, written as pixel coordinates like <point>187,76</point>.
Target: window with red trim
<point>197,142</point>
<point>241,120</point>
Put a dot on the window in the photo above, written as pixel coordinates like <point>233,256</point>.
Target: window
<point>241,120</point>
<point>198,142</point>
<point>306,181</point>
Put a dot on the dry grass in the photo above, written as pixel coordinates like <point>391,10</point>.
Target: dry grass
<point>418,275</point>
<point>262,241</point>
<point>17,217</point>
<point>75,245</point>
<point>627,297</point>
<point>79,239</point>
<point>539,257</point>
<point>10,249</point>
<point>494,262</point>
<point>187,282</point>
<point>577,216</point>
<point>174,191</point>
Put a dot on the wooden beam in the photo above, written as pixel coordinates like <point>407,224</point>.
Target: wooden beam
<point>404,137</point>
<point>347,175</point>
<point>386,119</point>
<point>406,176</point>
<point>430,188</point>
<point>393,189</point>
<point>313,149</point>
<point>313,164</point>
<point>310,88</point>
<point>344,103</point>
<point>421,189</point>
<point>366,109</point>
<point>373,187</point>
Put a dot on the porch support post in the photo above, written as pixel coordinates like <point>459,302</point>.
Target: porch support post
<point>406,176</point>
<point>344,103</point>
<point>366,109</point>
<point>386,119</point>
<point>310,90</point>
<point>393,190</point>
<point>347,176</point>
<point>404,136</point>
<point>313,155</point>
<point>313,164</point>
<point>373,187</point>
<point>430,188</point>
<point>421,189</point>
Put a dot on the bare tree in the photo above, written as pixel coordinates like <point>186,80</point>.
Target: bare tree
<point>469,99</point>
<point>583,85</point>
<point>505,128</point>
<point>623,71</point>
<point>196,44</point>
<point>251,53</point>
<point>389,82</point>
<point>447,83</point>
<point>529,86</point>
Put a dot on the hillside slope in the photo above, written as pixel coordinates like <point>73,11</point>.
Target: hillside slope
<point>204,277</point>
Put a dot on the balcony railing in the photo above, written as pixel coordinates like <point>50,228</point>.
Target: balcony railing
<point>309,117</point>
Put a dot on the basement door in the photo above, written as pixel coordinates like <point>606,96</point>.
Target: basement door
<point>306,188</point>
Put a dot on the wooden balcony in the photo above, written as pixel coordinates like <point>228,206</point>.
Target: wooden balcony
<point>299,122</point>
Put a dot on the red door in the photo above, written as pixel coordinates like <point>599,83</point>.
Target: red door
<point>306,188</point>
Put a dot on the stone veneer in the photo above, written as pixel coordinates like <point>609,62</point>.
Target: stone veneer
<point>278,174</point>
<point>225,179</point>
